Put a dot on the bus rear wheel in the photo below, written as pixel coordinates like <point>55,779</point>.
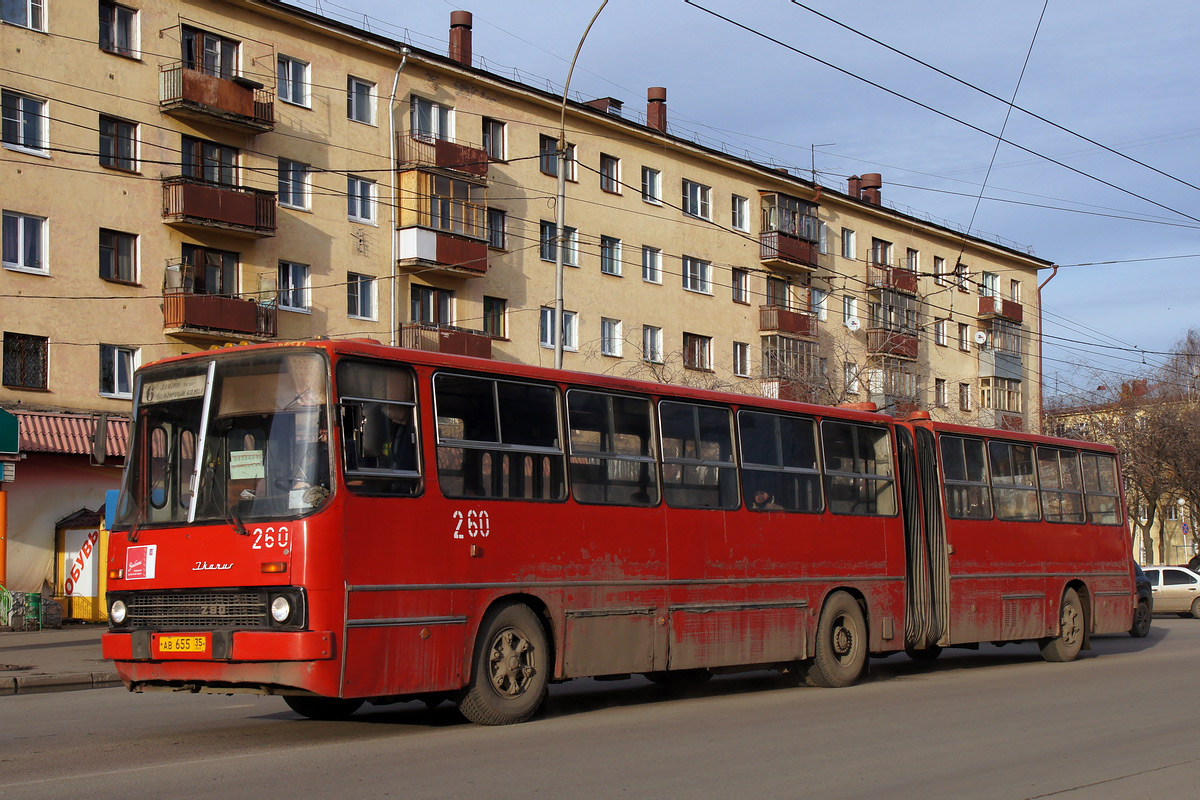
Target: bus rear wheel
<point>841,650</point>
<point>1066,646</point>
<point>322,707</point>
<point>509,678</point>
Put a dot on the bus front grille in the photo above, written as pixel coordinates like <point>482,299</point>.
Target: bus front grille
<point>181,610</point>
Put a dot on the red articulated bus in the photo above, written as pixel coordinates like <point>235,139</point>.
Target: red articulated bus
<point>339,522</point>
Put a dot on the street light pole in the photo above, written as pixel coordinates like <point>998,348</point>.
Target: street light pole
<point>560,203</point>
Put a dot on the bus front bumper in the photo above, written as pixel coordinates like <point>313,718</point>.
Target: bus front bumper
<point>221,645</point>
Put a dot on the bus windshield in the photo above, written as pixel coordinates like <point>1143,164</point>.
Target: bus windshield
<point>261,422</point>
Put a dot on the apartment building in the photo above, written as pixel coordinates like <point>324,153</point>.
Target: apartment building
<point>182,174</point>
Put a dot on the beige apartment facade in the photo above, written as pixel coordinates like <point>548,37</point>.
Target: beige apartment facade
<point>183,175</point>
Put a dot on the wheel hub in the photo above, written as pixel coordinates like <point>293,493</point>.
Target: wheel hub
<point>843,640</point>
<point>511,657</point>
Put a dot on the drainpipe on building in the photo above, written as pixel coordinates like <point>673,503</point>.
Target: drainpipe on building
<point>3,535</point>
<point>392,180</point>
<point>1041,338</point>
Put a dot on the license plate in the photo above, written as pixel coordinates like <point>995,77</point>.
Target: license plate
<point>182,644</point>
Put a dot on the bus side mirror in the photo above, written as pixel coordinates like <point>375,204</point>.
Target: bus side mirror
<point>100,441</point>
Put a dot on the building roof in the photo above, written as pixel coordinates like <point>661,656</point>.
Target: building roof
<point>69,434</point>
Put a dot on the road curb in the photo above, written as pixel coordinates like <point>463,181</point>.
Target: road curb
<point>67,682</point>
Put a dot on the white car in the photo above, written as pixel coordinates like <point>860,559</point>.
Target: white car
<point>1175,589</point>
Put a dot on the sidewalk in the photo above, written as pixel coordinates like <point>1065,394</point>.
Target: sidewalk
<point>54,660</point>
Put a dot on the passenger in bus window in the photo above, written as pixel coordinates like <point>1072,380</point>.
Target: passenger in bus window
<point>764,501</point>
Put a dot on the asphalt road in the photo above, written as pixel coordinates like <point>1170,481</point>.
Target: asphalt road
<point>998,723</point>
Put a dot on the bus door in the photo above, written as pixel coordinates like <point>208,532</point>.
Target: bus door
<point>926,578</point>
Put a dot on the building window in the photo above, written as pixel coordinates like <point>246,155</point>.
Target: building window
<point>819,304</point>
<point>1004,336</point>
<point>651,185</point>
<point>610,173</point>
<point>569,331</point>
<point>848,244</point>
<point>962,277</point>
<point>493,139</point>
<point>741,359</point>
<point>1000,394</point>
<point>118,256</point>
<point>778,294</point>
<point>939,332</point>
<point>697,351</point>
<point>116,370</point>
<point>652,346</point>
<point>651,264</point>
<point>430,121</point>
<point>23,240</point>
<point>1014,291</point>
<point>25,361</point>
<point>209,161</point>
<point>360,296</point>
<point>939,270</point>
<point>610,337</point>
<point>118,29</point>
<point>293,184</point>
<point>26,13</point>
<point>894,312</point>
<point>452,205</point>
<point>495,317</point>
<point>430,305</point>
<point>548,244</point>
<point>850,377</point>
<point>964,337</point>
<point>964,397</point>
<point>740,213</point>
<point>209,53</point>
<point>610,255</point>
<point>118,144</point>
<point>741,285</point>
<point>292,80</point>
<point>822,238</point>
<point>496,222</point>
<point>849,311</point>
<point>24,120</point>
<point>912,261</point>
<point>360,100</point>
<point>697,275</point>
<point>548,157</point>
<point>939,393</point>
<point>989,284</point>
<point>293,286</point>
<point>209,271</point>
<point>697,199</point>
<point>360,199</point>
<point>881,252</point>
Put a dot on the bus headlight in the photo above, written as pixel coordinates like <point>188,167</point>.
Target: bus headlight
<point>117,611</point>
<point>281,609</point>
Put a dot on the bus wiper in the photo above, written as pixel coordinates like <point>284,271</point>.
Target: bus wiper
<point>231,515</point>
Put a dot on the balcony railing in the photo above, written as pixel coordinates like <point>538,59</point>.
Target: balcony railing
<point>780,249</point>
<point>218,316</point>
<point>436,338</point>
<point>784,320</point>
<point>442,252</point>
<point>424,151</point>
<point>894,343</point>
<point>993,306</point>
<point>881,276</point>
<point>236,102</point>
<point>236,208</point>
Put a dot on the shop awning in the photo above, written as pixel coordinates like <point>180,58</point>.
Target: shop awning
<point>69,434</point>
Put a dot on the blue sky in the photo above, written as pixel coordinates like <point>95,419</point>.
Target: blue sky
<point>1123,75</point>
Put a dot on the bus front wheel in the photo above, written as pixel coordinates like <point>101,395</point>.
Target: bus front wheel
<point>1066,646</point>
<point>322,707</point>
<point>841,650</point>
<point>509,678</point>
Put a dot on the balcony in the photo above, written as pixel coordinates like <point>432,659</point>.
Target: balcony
<point>237,209</point>
<point>235,103</point>
<point>993,307</point>
<point>778,249</point>
<point>892,343</point>
<point>881,276</point>
<point>422,151</point>
<point>207,318</point>
<point>777,319</point>
<point>436,338</point>
<point>424,249</point>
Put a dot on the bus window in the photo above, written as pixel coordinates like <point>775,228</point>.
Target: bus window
<point>1014,486</point>
<point>697,447</point>
<point>498,439</point>
<point>379,430</point>
<point>779,462</point>
<point>964,468</point>
<point>612,449</point>
<point>858,469</point>
<point>1062,490</point>
<point>1101,493</point>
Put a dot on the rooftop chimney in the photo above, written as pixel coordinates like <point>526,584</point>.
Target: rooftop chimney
<point>460,37</point>
<point>609,105</point>
<point>656,108</point>
<point>872,182</point>
<point>854,186</point>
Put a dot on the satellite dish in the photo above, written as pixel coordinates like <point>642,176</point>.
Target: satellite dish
<point>980,337</point>
<point>853,324</point>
